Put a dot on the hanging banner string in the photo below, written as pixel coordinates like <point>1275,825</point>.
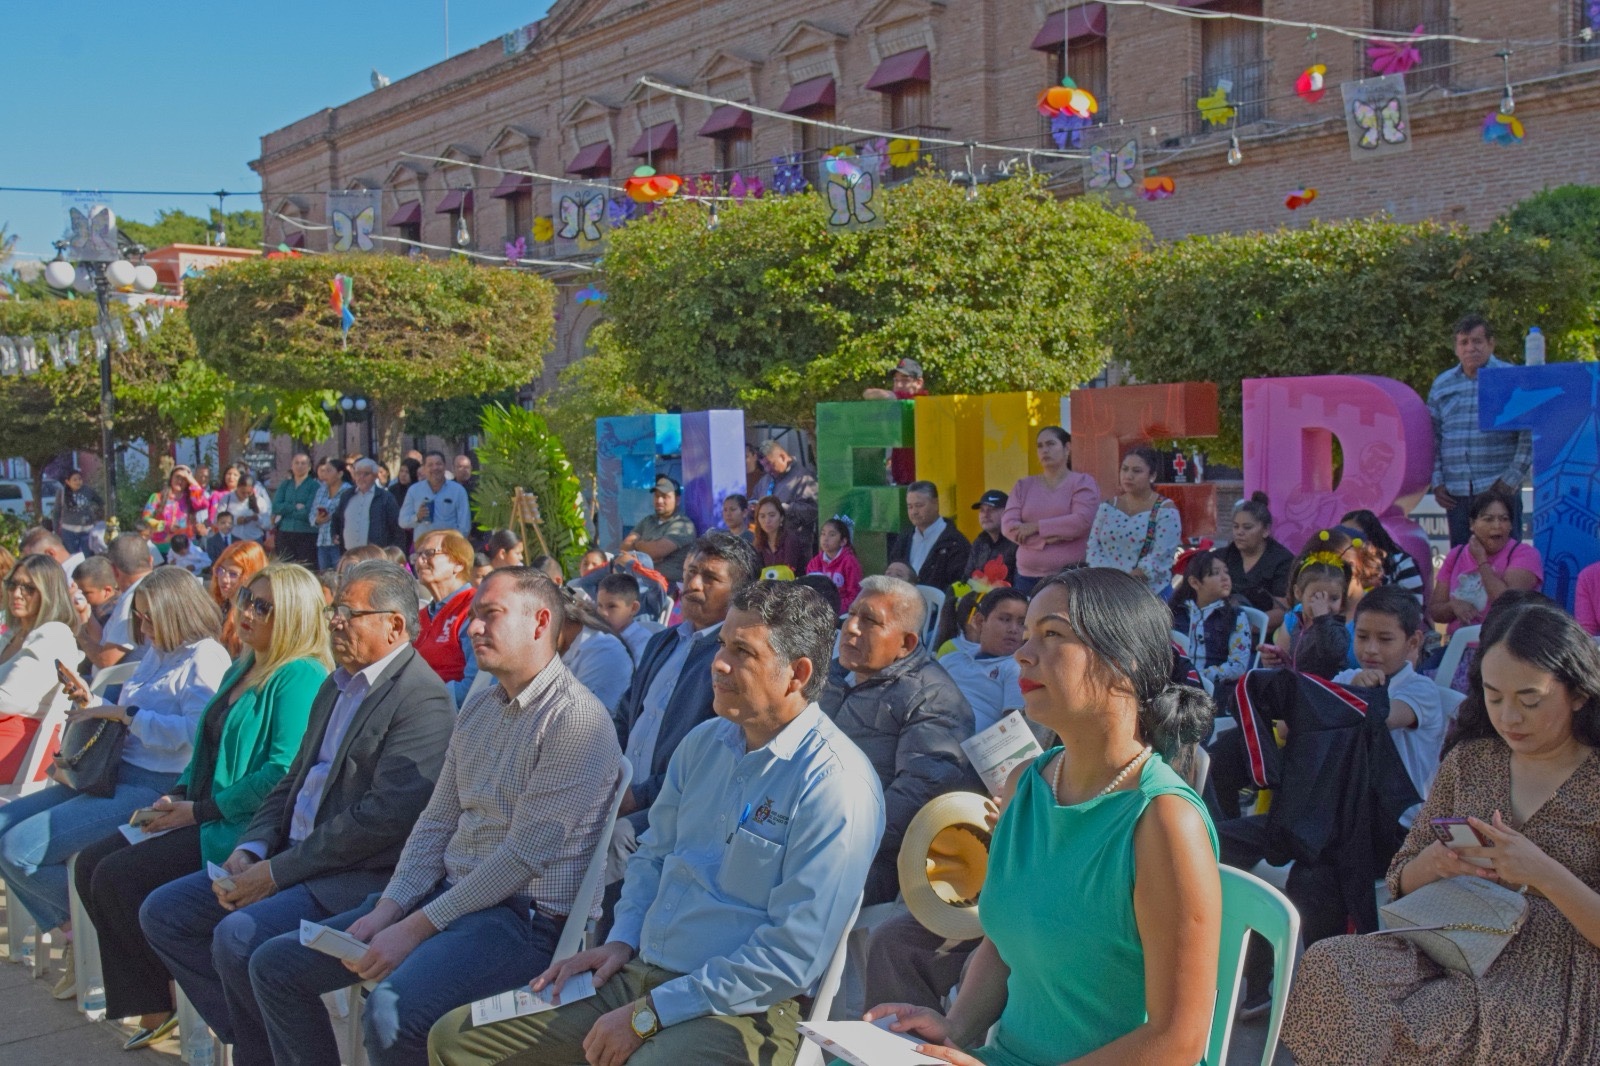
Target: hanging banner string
<point>1361,34</point>
<point>301,224</point>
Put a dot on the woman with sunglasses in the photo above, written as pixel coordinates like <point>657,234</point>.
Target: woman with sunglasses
<point>248,736</point>
<point>443,565</point>
<point>40,627</point>
<point>175,625</point>
<point>238,563</point>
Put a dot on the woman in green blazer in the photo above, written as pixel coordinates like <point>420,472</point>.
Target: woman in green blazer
<point>248,736</point>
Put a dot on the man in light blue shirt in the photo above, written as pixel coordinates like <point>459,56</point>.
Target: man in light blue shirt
<point>742,887</point>
<point>435,502</point>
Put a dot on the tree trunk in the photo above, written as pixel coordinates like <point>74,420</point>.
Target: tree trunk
<point>36,465</point>
<point>390,418</point>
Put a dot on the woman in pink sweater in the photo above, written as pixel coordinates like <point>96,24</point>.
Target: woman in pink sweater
<point>1587,608</point>
<point>1049,515</point>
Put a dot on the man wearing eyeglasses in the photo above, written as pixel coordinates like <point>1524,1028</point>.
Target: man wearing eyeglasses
<point>330,834</point>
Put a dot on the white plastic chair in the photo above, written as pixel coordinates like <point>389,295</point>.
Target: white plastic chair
<point>1461,641</point>
<point>91,987</point>
<point>1249,905</point>
<point>933,604</point>
<point>107,676</point>
<point>572,933</point>
<point>1258,622</point>
<point>827,987</point>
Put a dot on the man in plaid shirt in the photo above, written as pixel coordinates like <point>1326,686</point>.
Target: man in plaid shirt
<point>1467,460</point>
<point>492,868</point>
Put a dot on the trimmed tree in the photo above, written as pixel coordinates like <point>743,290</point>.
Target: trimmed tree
<point>1354,297</point>
<point>424,329</point>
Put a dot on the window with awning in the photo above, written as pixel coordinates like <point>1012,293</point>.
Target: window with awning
<point>592,161</point>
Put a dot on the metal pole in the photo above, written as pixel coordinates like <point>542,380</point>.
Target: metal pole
<point>108,460</point>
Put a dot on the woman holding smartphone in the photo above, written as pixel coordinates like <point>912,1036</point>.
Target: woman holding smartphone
<point>247,738</point>
<point>1100,845</point>
<point>40,626</point>
<point>1522,770</point>
<point>182,664</point>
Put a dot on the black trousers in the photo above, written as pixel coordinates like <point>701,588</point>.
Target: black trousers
<point>113,879</point>
<point>298,548</point>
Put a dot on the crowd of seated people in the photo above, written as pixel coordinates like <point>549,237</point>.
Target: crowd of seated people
<point>422,749</point>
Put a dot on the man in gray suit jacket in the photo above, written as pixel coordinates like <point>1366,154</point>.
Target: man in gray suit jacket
<point>331,833</point>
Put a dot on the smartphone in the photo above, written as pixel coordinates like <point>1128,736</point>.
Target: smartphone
<point>70,681</point>
<point>1458,833</point>
<point>143,817</point>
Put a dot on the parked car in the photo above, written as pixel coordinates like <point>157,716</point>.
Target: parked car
<point>16,497</point>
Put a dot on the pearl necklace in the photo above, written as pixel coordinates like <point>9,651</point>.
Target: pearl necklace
<point>1122,774</point>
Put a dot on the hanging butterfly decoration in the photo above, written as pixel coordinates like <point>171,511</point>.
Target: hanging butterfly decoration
<point>580,210</point>
<point>1214,106</point>
<point>1298,198</point>
<point>788,175</point>
<point>544,230</point>
<point>1157,188</point>
<point>1310,85</point>
<point>648,187</point>
<point>516,249</point>
<point>620,211</point>
<point>850,192</point>
<point>1395,56</point>
<point>1108,168</point>
<point>342,293</point>
<point>589,294</point>
<point>1502,129</point>
<point>353,231</point>
<point>842,166</point>
<point>93,236</point>
<point>1379,122</point>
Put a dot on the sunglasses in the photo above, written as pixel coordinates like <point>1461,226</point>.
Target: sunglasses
<point>257,606</point>
<point>12,585</point>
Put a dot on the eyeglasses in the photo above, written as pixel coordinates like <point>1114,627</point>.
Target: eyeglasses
<point>228,572</point>
<point>344,614</point>
<point>12,585</point>
<point>254,604</point>
<point>425,555</point>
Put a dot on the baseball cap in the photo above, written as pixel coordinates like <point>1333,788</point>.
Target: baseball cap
<point>665,485</point>
<point>994,498</point>
<point>908,366</point>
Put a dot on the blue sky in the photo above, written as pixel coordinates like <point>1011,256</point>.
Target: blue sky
<point>177,95</point>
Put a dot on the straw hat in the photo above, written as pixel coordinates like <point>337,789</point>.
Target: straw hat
<point>944,858</point>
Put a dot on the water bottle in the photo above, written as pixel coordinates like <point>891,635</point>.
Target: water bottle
<point>1533,348</point>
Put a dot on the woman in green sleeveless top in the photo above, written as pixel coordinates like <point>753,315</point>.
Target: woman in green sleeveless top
<point>1102,908</point>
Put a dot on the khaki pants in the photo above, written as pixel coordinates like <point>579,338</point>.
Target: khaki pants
<point>555,1038</point>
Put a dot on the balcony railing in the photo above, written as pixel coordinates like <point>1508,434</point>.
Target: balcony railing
<point>1248,85</point>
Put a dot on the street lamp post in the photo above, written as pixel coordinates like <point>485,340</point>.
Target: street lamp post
<point>100,269</point>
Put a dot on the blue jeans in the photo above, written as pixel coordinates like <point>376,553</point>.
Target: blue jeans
<point>328,556</point>
<point>478,955</point>
<point>74,542</point>
<point>208,949</point>
<point>39,833</point>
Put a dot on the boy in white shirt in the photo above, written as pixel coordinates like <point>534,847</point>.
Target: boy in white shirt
<point>617,599</point>
<point>989,678</point>
<point>184,553</point>
<point>1388,627</point>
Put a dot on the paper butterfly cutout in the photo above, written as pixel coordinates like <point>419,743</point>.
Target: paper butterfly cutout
<point>94,236</point>
<point>1215,108</point>
<point>1310,84</point>
<point>1381,121</point>
<point>589,295</point>
<point>1157,188</point>
<point>580,214</point>
<point>353,231</point>
<point>843,168</point>
<point>1068,129</point>
<point>543,230</point>
<point>1395,57</point>
<point>1501,129</point>
<point>516,249</point>
<point>851,201</point>
<point>1107,167</point>
<point>1298,198</point>
<point>788,175</point>
<point>620,211</point>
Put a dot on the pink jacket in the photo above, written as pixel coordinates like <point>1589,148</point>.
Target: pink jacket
<point>1587,608</point>
<point>1067,511</point>
<point>845,571</point>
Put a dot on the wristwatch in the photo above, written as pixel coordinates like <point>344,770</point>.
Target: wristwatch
<point>644,1021</point>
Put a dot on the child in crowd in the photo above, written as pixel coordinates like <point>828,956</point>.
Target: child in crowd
<point>181,552</point>
<point>550,567</point>
<point>990,677</point>
<point>1388,636</point>
<point>481,568</point>
<point>837,560</point>
<point>736,516</point>
<point>98,583</point>
<point>1321,587</point>
<point>593,559</point>
<point>1219,633</point>
<point>959,625</point>
<point>618,602</point>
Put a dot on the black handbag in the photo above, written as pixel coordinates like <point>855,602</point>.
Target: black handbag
<point>91,750</point>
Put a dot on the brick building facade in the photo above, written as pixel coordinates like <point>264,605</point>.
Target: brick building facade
<point>565,98</point>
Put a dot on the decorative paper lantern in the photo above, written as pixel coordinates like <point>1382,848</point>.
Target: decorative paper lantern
<point>1067,99</point>
<point>1157,188</point>
<point>1298,198</point>
<point>648,187</point>
<point>1310,84</point>
<point>1500,128</point>
<point>1395,57</point>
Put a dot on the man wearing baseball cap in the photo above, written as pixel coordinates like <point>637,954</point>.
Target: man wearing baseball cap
<point>991,543</point>
<point>906,378</point>
<point>666,535</point>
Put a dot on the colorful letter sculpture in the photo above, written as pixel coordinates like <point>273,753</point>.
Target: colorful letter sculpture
<point>969,444</point>
<point>1384,433</point>
<point>1108,422</point>
<point>852,441</point>
<point>1560,403</point>
<point>713,464</point>
<point>625,468</point>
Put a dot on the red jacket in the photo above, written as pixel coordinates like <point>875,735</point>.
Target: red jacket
<point>439,636</point>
